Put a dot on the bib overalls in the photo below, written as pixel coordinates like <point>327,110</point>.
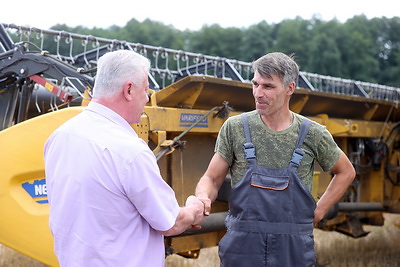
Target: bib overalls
<point>270,221</point>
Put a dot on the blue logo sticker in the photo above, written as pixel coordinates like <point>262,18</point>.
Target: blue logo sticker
<point>37,190</point>
<point>187,119</point>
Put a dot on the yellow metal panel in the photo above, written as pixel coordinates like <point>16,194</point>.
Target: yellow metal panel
<point>352,128</point>
<point>187,243</point>
<point>297,105</point>
<point>142,128</point>
<point>315,187</point>
<point>344,106</point>
<point>369,114</point>
<point>178,120</point>
<point>24,220</point>
<point>209,92</point>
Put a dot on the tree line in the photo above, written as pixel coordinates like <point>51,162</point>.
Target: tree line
<point>359,49</point>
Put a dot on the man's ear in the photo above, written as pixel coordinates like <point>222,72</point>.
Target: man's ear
<point>128,91</point>
<point>292,88</point>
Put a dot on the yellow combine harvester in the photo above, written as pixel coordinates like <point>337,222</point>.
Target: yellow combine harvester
<point>191,95</point>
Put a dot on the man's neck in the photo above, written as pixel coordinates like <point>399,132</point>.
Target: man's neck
<point>112,103</point>
<point>279,121</point>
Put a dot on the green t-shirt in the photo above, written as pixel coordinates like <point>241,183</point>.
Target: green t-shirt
<point>274,149</point>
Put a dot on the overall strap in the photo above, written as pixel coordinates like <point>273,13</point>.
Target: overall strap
<point>248,146</point>
<point>298,153</point>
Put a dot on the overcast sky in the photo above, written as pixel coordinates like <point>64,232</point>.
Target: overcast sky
<point>185,14</point>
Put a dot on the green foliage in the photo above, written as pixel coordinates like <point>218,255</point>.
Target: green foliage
<point>216,41</point>
<point>151,33</point>
<point>324,47</point>
<point>291,37</point>
<point>257,41</point>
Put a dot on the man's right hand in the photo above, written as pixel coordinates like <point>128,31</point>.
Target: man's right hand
<point>209,184</point>
<point>199,208</point>
<point>207,205</point>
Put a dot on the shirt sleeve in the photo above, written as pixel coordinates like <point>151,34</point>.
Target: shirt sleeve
<point>328,151</point>
<point>152,196</point>
<point>223,144</point>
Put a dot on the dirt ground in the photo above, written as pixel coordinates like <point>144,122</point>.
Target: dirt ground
<point>380,248</point>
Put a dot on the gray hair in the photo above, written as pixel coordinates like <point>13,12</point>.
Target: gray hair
<point>116,68</point>
<point>279,64</point>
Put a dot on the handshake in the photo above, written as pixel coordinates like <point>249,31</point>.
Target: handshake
<point>190,216</point>
<point>200,208</point>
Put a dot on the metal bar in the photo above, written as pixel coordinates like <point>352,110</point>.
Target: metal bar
<point>216,221</point>
<point>359,90</point>
<point>212,223</point>
<point>360,206</point>
<point>6,43</point>
<point>304,82</point>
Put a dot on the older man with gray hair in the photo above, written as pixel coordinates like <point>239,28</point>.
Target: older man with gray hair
<point>109,205</point>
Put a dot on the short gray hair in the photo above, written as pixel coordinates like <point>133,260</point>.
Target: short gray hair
<point>279,64</point>
<point>116,68</point>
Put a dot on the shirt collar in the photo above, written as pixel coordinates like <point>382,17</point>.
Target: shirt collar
<point>110,115</point>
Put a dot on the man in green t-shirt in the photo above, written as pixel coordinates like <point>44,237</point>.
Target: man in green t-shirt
<point>270,154</point>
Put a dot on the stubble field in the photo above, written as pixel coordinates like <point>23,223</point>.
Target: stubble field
<point>381,248</point>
